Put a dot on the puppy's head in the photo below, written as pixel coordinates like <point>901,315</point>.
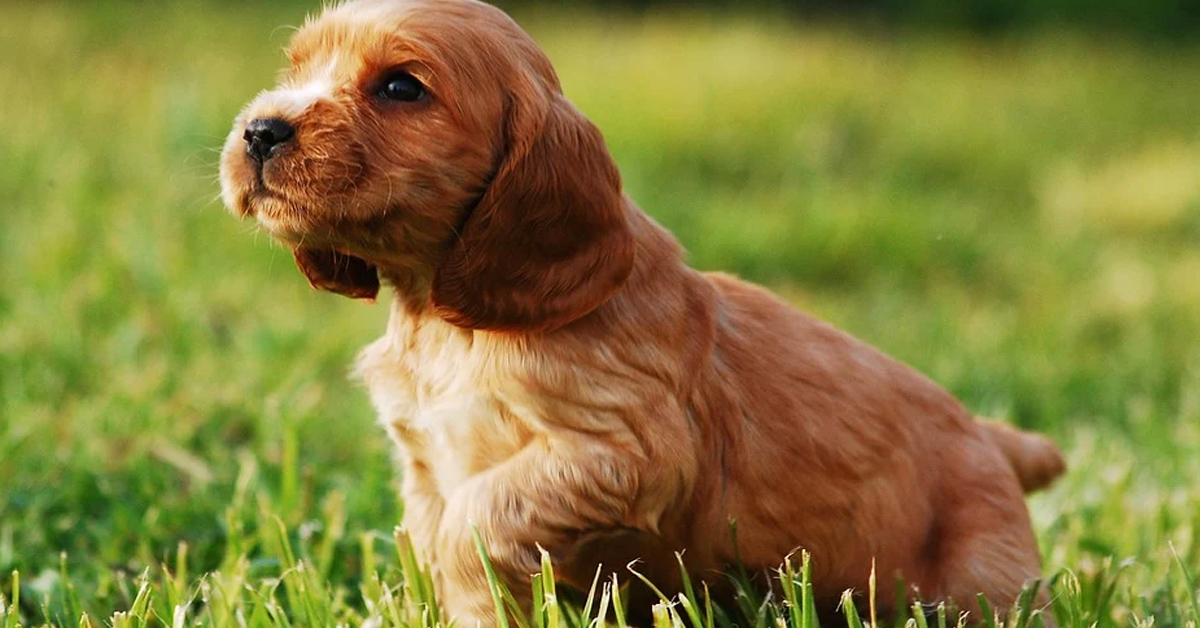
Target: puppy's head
<point>430,139</point>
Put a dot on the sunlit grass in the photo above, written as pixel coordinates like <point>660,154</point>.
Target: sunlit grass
<point>1019,218</point>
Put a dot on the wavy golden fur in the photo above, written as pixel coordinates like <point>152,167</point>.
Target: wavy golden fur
<point>554,373</point>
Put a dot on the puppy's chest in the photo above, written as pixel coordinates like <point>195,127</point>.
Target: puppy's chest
<point>432,395</point>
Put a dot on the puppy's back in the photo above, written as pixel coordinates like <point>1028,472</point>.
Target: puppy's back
<point>827,443</point>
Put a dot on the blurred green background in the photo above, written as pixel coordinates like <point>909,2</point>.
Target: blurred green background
<point>1009,204</point>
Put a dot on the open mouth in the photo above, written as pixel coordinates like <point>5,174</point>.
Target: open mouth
<point>325,267</point>
<point>338,272</point>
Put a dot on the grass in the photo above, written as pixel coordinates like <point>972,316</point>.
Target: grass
<point>179,444</point>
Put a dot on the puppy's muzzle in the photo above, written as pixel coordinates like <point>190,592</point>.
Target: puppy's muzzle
<point>265,136</point>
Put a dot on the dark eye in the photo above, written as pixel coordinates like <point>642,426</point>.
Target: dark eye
<point>402,87</point>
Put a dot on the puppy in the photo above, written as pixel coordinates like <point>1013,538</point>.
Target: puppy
<point>554,374</point>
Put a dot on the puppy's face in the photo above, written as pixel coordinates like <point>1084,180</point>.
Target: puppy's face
<point>369,147</point>
<point>429,139</point>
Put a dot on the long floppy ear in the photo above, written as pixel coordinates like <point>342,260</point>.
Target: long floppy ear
<point>337,272</point>
<point>549,240</point>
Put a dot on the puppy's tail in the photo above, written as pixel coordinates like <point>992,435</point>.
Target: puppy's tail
<point>1034,457</point>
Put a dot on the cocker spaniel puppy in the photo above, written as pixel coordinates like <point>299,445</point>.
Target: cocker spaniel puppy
<point>555,375</point>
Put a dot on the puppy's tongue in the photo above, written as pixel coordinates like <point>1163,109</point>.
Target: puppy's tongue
<point>337,272</point>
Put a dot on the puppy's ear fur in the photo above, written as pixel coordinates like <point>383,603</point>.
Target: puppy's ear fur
<point>327,269</point>
<point>549,240</point>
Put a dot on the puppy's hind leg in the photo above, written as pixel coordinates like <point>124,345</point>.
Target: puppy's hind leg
<point>984,543</point>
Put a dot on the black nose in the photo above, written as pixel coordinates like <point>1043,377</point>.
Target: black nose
<point>264,135</point>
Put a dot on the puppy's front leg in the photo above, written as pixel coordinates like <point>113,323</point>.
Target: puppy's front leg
<point>551,494</point>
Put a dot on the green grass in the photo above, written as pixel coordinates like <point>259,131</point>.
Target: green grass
<point>1019,218</point>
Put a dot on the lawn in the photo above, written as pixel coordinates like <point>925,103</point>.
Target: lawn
<point>1018,217</point>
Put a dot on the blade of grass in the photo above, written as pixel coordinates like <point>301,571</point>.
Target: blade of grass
<point>871,592</point>
<point>601,620</point>
<point>1193,596</point>
<point>1023,606</point>
<point>494,584</point>
<point>549,599</point>
<point>791,600</point>
<point>809,597</point>
<point>918,615</point>
<point>989,616</point>
<point>708,608</point>
<point>586,618</point>
<point>11,615</point>
<point>688,597</point>
<point>618,604</point>
<point>662,597</point>
<point>850,610</point>
<point>539,601</point>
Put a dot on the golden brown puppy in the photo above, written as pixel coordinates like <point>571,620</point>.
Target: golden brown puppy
<point>554,373</point>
